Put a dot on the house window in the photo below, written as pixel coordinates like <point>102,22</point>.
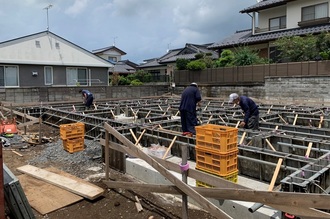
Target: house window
<point>114,59</point>
<point>57,45</point>
<point>314,12</point>
<point>37,43</point>
<point>76,76</point>
<point>48,72</point>
<point>8,76</point>
<point>277,23</point>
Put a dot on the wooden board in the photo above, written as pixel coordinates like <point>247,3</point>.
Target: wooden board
<point>44,197</point>
<point>80,188</point>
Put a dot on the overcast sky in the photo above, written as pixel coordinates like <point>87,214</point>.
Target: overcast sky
<point>143,29</point>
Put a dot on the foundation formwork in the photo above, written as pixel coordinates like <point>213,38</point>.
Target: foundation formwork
<point>299,135</point>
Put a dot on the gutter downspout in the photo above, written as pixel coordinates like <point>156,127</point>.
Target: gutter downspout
<point>253,16</point>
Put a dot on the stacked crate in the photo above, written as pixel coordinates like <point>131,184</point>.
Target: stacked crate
<point>216,151</point>
<point>73,136</point>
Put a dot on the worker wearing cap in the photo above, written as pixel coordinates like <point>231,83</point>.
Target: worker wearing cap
<point>190,98</point>
<point>250,108</point>
<point>87,98</point>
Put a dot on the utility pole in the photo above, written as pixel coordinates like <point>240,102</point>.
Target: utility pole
<point>47,8</point>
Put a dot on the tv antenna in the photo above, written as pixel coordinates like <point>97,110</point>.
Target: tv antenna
<point>47,8</point>
<point>114,40</point>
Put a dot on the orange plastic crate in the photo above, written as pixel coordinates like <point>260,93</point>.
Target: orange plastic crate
<point>219,139</point>
<point>72,130</point>
<point>233,177</point>
<point>74,145</point>
<point>216,163</point>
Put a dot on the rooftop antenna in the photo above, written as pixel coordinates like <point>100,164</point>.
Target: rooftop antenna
<point>114,40</point>
<point>168,47</point>
<point>47,8</point>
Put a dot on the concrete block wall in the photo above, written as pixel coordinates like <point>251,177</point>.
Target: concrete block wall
<point>276,90</point>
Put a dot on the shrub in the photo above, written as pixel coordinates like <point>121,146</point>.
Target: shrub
<point>181,64</point>
<point>196,65</point>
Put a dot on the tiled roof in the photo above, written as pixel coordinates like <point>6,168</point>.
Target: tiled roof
<point>123,68</point>
<point>109,48</point>
<point>246,37</point>
<point>264,5</point>
<point>188,52</point>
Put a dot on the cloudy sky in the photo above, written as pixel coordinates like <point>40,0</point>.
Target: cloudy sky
<point>143,29</point>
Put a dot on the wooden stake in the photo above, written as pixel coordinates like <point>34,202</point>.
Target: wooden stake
<point>137,142</point>
<point>270,145</point>
<point>237,124</point>
<point>321,120</point>
<point>309,148</point>
<point>15,152</point>
<point>295,119</point>
<point>282,119</point>
<point>277,169</point>
<point>242,138</point>
<point>208,121</point>
<point>133,135</point>
<point>169,147</point>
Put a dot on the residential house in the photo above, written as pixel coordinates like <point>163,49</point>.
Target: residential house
<point>272,19</point>
<point>163,67</point>
<point>114,56</point>
<point>46,59</point>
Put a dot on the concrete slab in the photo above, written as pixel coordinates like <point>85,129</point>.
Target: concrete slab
<point>237,209</point>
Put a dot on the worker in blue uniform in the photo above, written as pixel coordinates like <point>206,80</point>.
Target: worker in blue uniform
<point>190,98</point>
<point>87,97</point>
<point>250,109</point>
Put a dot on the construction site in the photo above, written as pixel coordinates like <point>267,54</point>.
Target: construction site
<point>279,171</point>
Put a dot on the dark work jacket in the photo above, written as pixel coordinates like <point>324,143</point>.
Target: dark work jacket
<point>87,92</point>
<point>189,98</point>
<point>249,107</point>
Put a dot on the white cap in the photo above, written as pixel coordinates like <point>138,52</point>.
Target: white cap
<point>194,83</point>
<point>233,97</point>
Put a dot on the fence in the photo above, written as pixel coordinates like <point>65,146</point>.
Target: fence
<point>251,75</point>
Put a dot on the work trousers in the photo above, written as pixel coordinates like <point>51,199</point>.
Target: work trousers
<point>188,121</point>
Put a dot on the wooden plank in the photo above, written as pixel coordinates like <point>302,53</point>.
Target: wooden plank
<point>202,201</point>
<point>308,200</point>
<point>169,147</point>
<point>34,121</point>
<point>138,204</point>
<point>79,188</point>
<point>44,197</point>
<point>309,148</point>
<point>221,183</point>
<point>196,174</point>
<point>237,124</point>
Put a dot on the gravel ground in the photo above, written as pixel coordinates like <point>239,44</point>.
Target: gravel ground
<point>81,164</point>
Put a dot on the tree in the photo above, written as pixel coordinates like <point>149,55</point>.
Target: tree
<point>297,48</point>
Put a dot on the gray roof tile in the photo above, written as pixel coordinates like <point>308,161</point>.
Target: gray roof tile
<point>264,5</point>
<point>246,37</point>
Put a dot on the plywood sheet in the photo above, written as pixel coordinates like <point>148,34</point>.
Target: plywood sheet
<point>75,186</point>
<point>44,197</point>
